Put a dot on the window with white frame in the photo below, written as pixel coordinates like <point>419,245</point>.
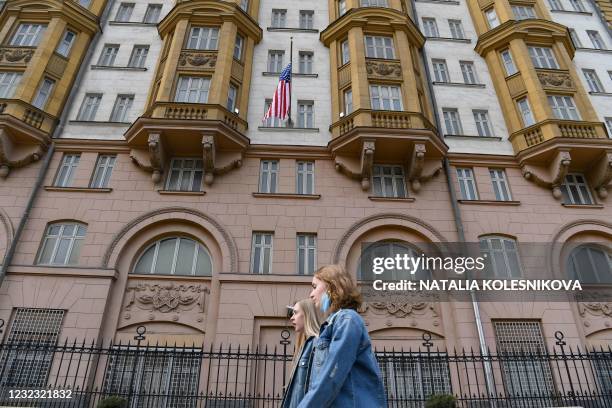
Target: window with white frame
<point>575,190</point>
<point>89,107</point>
<point>467,184</point>
<point>66,171</point>
<point>261,252</point>
<point>469,72</point>
<point>61,244</point>
<point>456,29</point>
<point>139,56</point>
<point>279,18</point>
<point>348,101</point>
<point>492,19</point>
<point>525,111</point>
<point>175,256</point>
<point>304,177</point>
<point>121,109</point>
<point>272,121</point>
<point>430,27</point>
<point>440,70</point>
<point>523,12</point>
<point>555,4</point>
<point>501,257</point>
<point>500,184</point>
<point>268,176</point>
<point>577,5</point>
<point>64,46</point>
<point>341,7</point>
<point>509,66</point>
<point>124,12</point>
<point>306,19</point>
<point>305,62</point>
<point>346,54</point>
<point>244,5</point>
<point>596,39</point>
<point>108,55</point>
<point>543,57</point>
<point>203,38</point>
<point>40,328</point>
<point>232,94</point>
<point>590,264</point>
<point>388,249</point>
<point>483,123</point>
<point>379,47</point>
<point>28,35</point>
<point>388,181</point>
<point>192,89</point>
<point>608,121</point>
<point>452,121</point>
<point>306,254</point>
<point>575,39</point>
<point>275,60</point>
<point>43,93</point>
<point>385,97</point>
<point>238,44</point>
<point>305,112</point>
<point>185,174</point>
<point>593,80</point>
<point>8,83</point>
<point>563,107</point>
<point>152,14</point>
<point>103,171</point>
<point>373,3</point>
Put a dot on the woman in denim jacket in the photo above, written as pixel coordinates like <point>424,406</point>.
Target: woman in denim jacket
<point>306,320</point>
<point>344,370</point>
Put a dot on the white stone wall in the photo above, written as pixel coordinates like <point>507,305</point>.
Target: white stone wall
<point>309,89</point>
<point>111,82</point>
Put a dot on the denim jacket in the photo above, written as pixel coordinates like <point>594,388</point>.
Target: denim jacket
<point>344,370</point>
<point>298,382</point>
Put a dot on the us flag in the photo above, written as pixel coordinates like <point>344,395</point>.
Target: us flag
<point>281,102</point>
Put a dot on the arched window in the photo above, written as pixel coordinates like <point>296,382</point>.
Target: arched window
<point>501,256</point>
<point>388,249</point>
<point>590,264</point>
<point>61,244</point>
<point>175,256</point>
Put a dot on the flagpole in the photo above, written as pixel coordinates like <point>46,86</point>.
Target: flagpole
<point>289,122</point>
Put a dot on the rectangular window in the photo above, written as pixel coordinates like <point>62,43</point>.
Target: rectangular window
<point>244,5</point>
<point>388,181</point>
<point>275,60</point>
<point>373,3</point>
<point>501,257</point>
<point>272,121</point>
<point>192,89</point>
<point>452,121</point>
<point>596,39</point>
<point>124,12</point>
<point>65,174</point>
<point>468,71</point>
<point>109,53</point>
<point>575,190</point>
<point>575,38</point>
<point>525,110</point>
<point>483,124</point>
<point>577,5</point>
<point>440,70</point>
<point>523,12</point>
<point>44,91</point>
<point>348,101</point>
<point>306,254</point>
<point>268,176</point>
<point>185,175</point>
<point>306,19</point>
<point>508,62</point>
<point>385,97</point>
<point>279,18</point>
<point>8,83</point>
<point>492,19</point>
<point>305,114</point>
<point>261,252</point>
<point>346,55</point>
<point>563,107</point>
<point>238,44</point>
<point>305,177</point>
<point>103,171</point>
<point>152,14</point>
<point>232,94</point>
<point>467,184</point>
<point>123,103</point>
<point>305,60</point>
<point>593,80</point>
<point>379,47</point>
<point>555,5</point>
<point>609,126</point>
<point>500,184</point>
<point>28,35</point>
<point>139,56</point>
<point>203,38</point>
<point>430,27</point>
<point>456,29</point>
<point>63,48</point>
<point>543,57</point>
<point>342,7</point>
<point>89,107</point>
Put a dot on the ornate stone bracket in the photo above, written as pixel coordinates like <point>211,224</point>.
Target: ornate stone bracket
<point>365,169</point>
<point>153,159</point>
<point>551,177</point>
<point>15,156</point>
<point>421,170</point>
<point>212,166</point>
<point>601,175</point>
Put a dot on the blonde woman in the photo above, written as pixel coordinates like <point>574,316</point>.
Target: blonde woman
<point>306,320</point>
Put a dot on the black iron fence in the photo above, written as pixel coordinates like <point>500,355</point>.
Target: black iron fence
<point>151,376</point>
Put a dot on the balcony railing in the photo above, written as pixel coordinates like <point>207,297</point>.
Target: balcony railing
<point>381,119</point>
<point>28,114</point>
<point>552,128</point>
<point>196,111</point>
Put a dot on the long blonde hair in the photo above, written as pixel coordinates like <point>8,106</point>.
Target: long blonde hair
<point>312,323</point>
<point>343,291</point>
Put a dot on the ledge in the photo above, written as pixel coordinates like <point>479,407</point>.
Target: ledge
<point>297,74</point>
<point>285,129</point>
<point>132,23</point>
<point>99,122</point>
<point>293,29</point>
<point>114,68</point>
<point>402,199</point>
<point>489,202</point>
<point>288,195</point>
<point>79,189</point>
<point>600,93</point>
<point>605,51</point>
<point>583,205</point>
<point>63,270</point>
<point>459,84</point>
<point>182,193</point>
<point>451,39</point>
<point>496,138</point>
<point>585,13</point>
<point>287,279</point>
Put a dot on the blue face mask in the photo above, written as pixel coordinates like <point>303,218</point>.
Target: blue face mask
<point>325,302</point>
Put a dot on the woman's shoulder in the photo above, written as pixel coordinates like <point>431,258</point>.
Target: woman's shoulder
<point>349,314</point>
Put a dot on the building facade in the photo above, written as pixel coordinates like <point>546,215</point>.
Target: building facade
<point>140,186</point>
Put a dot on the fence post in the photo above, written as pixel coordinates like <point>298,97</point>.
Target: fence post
<point>561,343</point>
<point>140,331</point>
<point>285,334</point>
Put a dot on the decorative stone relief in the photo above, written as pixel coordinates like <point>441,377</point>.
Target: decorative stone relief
<point>555,79</point>
<point>384,69</point>
<point>398,305</point>
<point>166,297</point>
<point>198,59</point>
<point>14,55</point>
<point>595,309</point>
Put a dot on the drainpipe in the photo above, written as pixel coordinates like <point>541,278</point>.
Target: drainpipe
<point>8,258</point>
<point>458,221</point>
